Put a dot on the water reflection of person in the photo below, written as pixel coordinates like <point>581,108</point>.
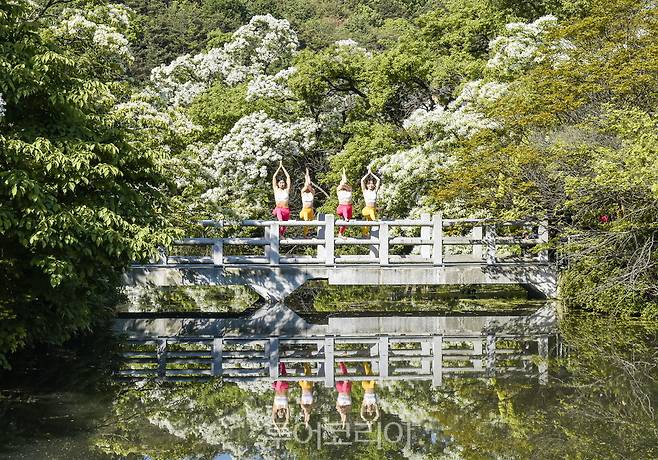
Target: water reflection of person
<point>280,409</point>
<point>344,399</point>
<point>369,406</point>
<point>306,400</point>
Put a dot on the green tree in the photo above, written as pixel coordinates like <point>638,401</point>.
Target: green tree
<point>81,197</point>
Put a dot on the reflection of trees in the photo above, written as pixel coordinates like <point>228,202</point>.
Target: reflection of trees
<point>599,403</point>
<point>320,296</point>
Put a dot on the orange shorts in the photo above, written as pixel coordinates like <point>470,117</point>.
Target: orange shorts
<point>306,214</point>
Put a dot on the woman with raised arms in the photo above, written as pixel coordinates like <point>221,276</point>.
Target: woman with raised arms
<point>281,189</point>
<point>344,209</point>
<point>308,195</point>
<point>369,187</point>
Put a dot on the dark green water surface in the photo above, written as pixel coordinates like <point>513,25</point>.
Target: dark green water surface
<point>600,401</point>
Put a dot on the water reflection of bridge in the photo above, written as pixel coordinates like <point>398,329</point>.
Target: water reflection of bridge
<point>398,347</point>
<point>425,251</point>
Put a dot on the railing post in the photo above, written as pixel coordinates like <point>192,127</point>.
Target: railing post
<point>476,234</point>
<point>426,363</point>
<point>490,238</point>
<point>218,252</point>
<point>383,243</point>
<point>321,351</point>
<point>162,358</point>
<point>321,235</point>
<point>491,355</point>
<point>542,367</point>
<point>477,351</point>
<point>329,379</point>
<point>329,240</point>
<point>426,236</point>
<point>437,239</point>
<point>542,233</point>
<point>374,351</point>
<point>217,350</point>
<point>383,357</point>
<point>437,360</point>
<point>273,356</point>
<point>274,255</point>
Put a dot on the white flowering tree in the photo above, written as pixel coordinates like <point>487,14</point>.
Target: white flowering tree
<point>262,48</point>
<point>239,165</point>
<point>97,34</point>
<point>410,175</point>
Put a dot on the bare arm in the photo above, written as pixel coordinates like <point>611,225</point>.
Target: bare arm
<point>274,176</point>
<point>287,178</point>
<point>377,180</point>
<point>363,181</point>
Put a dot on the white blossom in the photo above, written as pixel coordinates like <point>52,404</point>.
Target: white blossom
<point>520,47</point>
<point>3,106</point>
<point>239,163</point>
<point>266,86</point>
<point>256,50</point>
<point>103,27</point>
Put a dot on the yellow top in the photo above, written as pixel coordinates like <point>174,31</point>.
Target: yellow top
<point>368,384</point>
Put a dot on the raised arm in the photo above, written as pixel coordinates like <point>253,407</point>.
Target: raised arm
<point>343,180</point>
<point>285,171</point>
<point>377,180</point>
<point>274,175</point>
<point>363,181</point>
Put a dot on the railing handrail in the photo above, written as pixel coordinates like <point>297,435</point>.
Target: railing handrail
<point>374,223</point>
<point>482,237</point>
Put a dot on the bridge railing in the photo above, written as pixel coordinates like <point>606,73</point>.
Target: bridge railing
<point>478,241</point>
<point>318,358</point>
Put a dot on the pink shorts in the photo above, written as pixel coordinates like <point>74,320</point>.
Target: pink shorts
<point>281,213</point>
<point>280,385</point>
<point>343,386</point>
<point>344,211</point>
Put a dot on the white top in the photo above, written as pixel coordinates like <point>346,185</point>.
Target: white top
<point>369,398</point>
<point>370,196</point>
<point>307,398</point>
<point>280,401</point>
<point>344,399</point>
<point>307,197</point>
<point>280,195</point>
<point>344,195</point>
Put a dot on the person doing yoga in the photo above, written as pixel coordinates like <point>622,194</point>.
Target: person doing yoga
<point>369,187</point>
<point>281,189</point>
<point>308,195</point>
<point>280,409</point>
<point>306,400</point>
<point>344,209</point>
<point>344,399</point>
<point>369,407</point>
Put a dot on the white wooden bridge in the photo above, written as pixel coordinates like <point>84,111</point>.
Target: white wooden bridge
<point>392,357</point>
<point>426,251</point>
<point>429,348</point>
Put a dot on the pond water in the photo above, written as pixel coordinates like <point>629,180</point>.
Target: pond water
<point>570,386</point>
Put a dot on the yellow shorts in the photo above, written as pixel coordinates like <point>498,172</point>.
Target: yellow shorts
<point>306,214</point>
<point>369,213</point>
